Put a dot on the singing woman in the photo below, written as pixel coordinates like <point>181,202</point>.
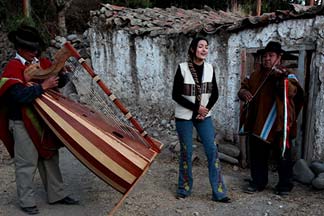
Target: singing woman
<point>195,93</point>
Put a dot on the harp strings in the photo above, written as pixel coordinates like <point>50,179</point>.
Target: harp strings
<point>99,101</point>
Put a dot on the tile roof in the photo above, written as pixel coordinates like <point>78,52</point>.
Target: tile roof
<point>296,12</point>
<point>157,21</point>
<point>169,21</point>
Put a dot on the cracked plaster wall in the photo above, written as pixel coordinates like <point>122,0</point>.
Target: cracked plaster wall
<point>140,69</point>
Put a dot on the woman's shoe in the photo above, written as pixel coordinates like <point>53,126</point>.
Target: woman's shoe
<point>181,196</point>
<point>223,200</point>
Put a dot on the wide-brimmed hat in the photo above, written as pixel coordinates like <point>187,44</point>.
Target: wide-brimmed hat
<point>26,37</point>
<point>272,46</point>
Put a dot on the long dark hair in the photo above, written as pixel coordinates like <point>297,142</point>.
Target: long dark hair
<point>193,47</point>
<point>191,55</point>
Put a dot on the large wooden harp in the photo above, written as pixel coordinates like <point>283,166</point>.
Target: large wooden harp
<point>118,153</point>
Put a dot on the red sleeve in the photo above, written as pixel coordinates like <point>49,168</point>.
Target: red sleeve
<point>14,69</point>
<point>45,63</point>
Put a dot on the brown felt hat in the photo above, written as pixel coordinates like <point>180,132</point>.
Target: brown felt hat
<point>26,37</point>
<point>272,46</point>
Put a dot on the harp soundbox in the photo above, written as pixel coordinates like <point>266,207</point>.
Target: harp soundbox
<point>116,152</point>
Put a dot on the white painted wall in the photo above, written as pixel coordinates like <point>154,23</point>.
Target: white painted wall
<point>140,70</point>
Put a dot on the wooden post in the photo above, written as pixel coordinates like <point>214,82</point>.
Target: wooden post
<point>258,9</point>
<point>242,139</point>
<point>234,5</point>
<point>311,2</point>
<point>26,8</point>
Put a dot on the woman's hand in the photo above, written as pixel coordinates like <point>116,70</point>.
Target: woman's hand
<point>202,112</point>
<point>49,83</point>
<point>200,117</point>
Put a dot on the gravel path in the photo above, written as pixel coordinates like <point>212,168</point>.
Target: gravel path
<point>154,194</point>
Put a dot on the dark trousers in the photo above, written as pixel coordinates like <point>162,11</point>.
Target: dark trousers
<point>259,157</point>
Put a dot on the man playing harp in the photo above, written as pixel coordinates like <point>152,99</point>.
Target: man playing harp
<point>34,146</point>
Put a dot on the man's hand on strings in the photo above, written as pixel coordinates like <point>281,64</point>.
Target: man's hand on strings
<point>246,96</point>
<point>31,70</point>
<point>279,71</point>
<point>66,69</point>
<point>51,82</point>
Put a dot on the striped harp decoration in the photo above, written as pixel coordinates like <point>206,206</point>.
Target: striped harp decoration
<point>116,151</point>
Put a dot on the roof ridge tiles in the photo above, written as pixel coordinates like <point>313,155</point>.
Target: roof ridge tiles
<point>177,20</point>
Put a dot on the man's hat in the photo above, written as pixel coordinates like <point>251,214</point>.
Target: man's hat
<point>272,46</point>
<point>26,37</point>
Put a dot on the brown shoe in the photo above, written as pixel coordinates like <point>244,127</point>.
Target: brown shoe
<point>251,189</point>
<point>66,201</point>
<point>281,193</point>
<point>30,210</point>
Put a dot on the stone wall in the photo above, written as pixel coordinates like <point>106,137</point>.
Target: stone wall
<point>318,101</point>
<point>6,50</point>
<point>140,70</point>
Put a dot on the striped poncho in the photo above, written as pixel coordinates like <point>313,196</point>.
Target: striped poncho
<point>45,141</point>
<point>275,108</point>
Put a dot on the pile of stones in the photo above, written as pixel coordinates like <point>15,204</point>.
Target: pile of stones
<point>309,174</point>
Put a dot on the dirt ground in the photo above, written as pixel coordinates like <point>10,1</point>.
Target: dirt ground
<point>155,192</point>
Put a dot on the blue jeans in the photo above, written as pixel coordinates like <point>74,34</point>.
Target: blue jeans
<point>206,133</point>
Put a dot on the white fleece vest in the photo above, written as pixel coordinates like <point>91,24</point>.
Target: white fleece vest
<point>182,112</point>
